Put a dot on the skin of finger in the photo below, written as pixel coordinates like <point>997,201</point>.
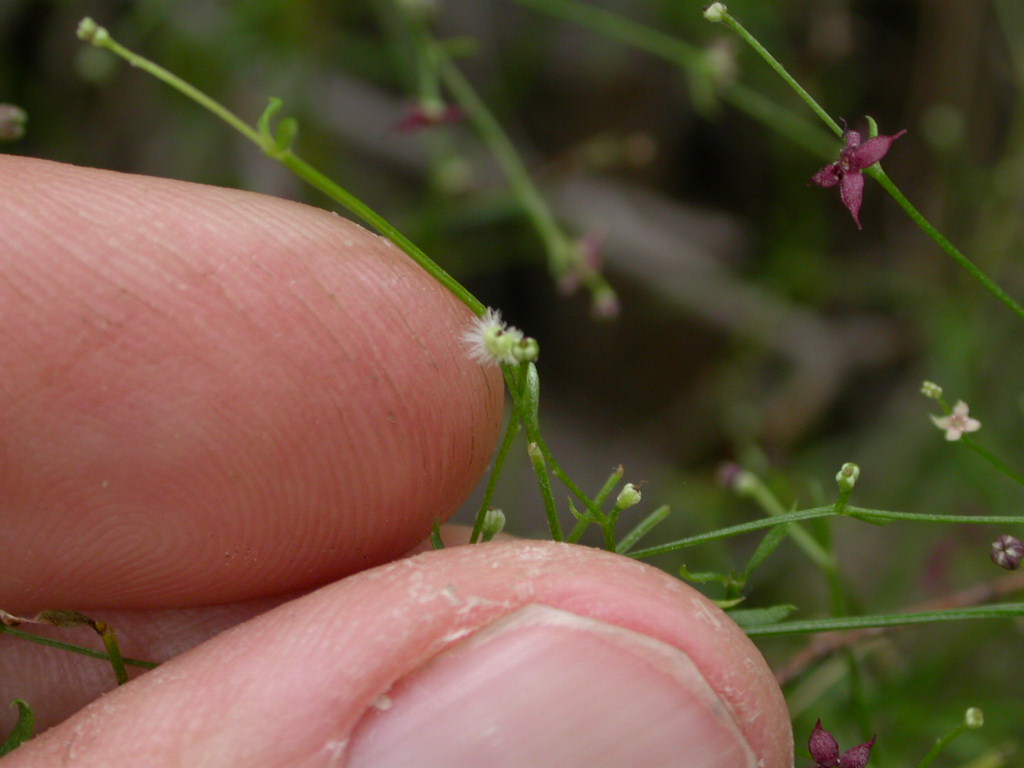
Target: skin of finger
<point>211,395</point>
<point>59,683</point>
<point>287,689</point>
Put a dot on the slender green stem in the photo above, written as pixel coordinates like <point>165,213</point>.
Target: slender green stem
<point>609,485</point>
<point>733,530</point>
<point>617,27</point>
<point>511,430</point>
<point>578,530</point>
<point>529,409</point>
<point>72,647</point>
<point>992,459</point>
<point>692,60</point>
<point>881,515</point>
<point>308,173</point>
<point>998,611</point>
<point>942,743</point>
<point>918,218</point>
<point>878,174</point>
<point>868,515</point>
<point>24,729</point>
<point>109,637</point>
<point>562,253</point>
<point>608,532</point>
<point>99,37</point>
<point>88,30</point>
<point>642,528</point>
<point>781,72</point>
<point>505,153</point>
<point>544,481</point>
<point>753,487</point>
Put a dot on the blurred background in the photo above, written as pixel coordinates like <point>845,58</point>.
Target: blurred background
<point>756,324</point>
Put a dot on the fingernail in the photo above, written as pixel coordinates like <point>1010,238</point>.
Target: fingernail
<point>544,687</point>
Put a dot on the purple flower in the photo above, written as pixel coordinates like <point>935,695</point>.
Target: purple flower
<point>847,171</point>
<point>825,750</point>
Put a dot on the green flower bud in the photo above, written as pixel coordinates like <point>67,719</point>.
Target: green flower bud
<point>494,522</point>
<point>91,32</point>
<point>847,476</point>
<point>715,12</point>
<point>628,497</point>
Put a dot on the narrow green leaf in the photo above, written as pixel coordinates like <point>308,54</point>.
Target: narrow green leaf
<point>435,535</point>
<point>23,730</point>
<point>760,617</point>
<point>769,543</point>
<point>704,577</point>
<point>642,528</point>
<point>263,124</point>
<point>725,605</point>
<point>286,132</point>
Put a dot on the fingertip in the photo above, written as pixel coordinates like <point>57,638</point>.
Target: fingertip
<point>214,395</point>
<point>511,640</point>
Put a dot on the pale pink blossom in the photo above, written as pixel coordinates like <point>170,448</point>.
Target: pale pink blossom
<point>958,422</point>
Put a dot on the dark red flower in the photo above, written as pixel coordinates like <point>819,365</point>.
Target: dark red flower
<point>847,171</point>
<point>825,750</point>
<point>420,116</point>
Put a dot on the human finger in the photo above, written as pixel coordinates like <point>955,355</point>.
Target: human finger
<point>504,654</point>
<point>211,395</point>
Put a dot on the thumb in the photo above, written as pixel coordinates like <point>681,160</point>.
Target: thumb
<point>510,654</point>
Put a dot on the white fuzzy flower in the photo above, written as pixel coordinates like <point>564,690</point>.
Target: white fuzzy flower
<point>958,422</point>
<point>492,342</point>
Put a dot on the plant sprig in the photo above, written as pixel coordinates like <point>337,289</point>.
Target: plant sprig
<point>719,13</point>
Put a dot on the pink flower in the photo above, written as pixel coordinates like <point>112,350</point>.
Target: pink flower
<point>958,422</point>
<point>825,750</point>
<point>847,171</point>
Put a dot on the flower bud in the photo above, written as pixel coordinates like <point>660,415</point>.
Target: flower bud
<point>91,32</point>
<point>1007,552</point>
<point>715,12</point>
<point>974,718</point>
<point>847,476</point>
<point>526,350</point>
<point>494,522</point>
<point>628,497</point>
<point>931,389</point>
<point>12,122</point>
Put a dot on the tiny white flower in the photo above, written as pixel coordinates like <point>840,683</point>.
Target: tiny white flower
<point>958,422</point>
<point>715,12</point>
<point>492,342</point>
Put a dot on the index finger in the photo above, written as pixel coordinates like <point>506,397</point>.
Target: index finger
<point>209,395</point>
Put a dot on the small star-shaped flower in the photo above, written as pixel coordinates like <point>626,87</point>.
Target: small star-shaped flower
<point>825,750</point>
<point>958,422</point>
<point>847,171</point>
